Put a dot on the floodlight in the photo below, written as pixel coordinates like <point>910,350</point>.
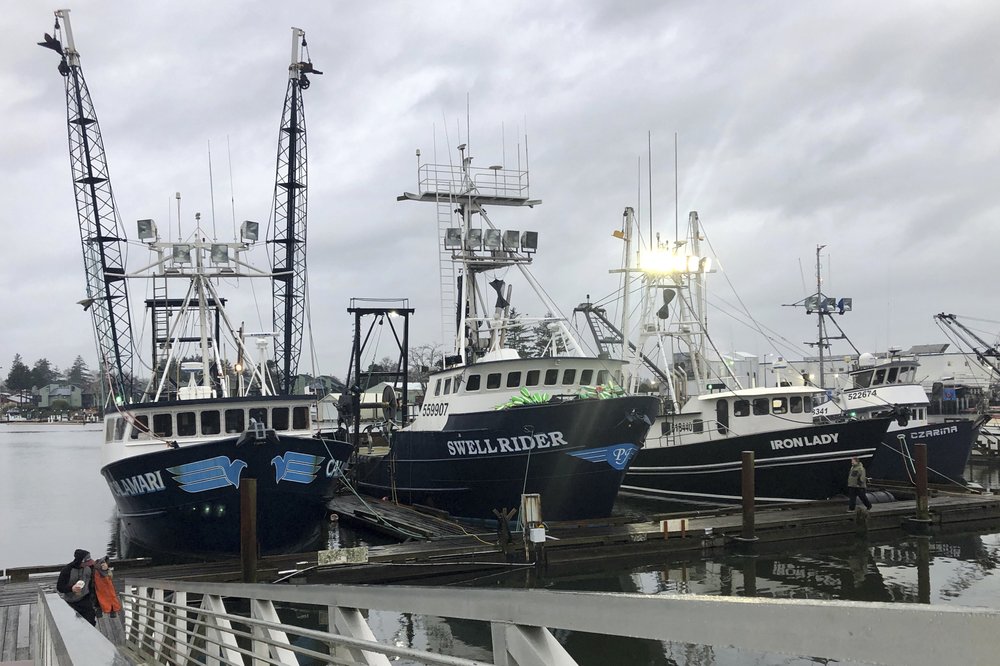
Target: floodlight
<point>491,239</point>
<point>220,253</point>
<point>453,238</point>
<point>812,304</point>
<point>147,229</point>
<point>829,304</point>
<point>529,241</point>
<point>249,230</point>
<point>182,254</point>
<point>474,239</point>
<point>845,305</point>
<point>511,239</point>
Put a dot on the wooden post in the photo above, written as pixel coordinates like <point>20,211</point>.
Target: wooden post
<point>920,460</point>
<point>248,529</point>
<point>748,497</point>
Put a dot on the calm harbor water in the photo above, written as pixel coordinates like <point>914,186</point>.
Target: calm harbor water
<point>54,501</point>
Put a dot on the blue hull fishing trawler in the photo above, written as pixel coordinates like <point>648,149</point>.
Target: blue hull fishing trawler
<point>176,455</point>
<point>495,425</point>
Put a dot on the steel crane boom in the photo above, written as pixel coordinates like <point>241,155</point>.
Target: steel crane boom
<point>288,234</point>
<point>984,351</point>
<point>101,234</point>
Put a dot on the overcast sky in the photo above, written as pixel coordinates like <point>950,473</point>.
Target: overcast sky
<point>871,128</point>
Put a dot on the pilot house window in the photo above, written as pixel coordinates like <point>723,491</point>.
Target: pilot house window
<point>235,421</point>
<point>760,406</point>
<point>186,424</point>
<point>163,425</point>
<point>279,418</point>
<point>210,424</point>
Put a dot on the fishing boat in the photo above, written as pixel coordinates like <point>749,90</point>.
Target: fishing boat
<point>708,417</point>
<point>888,385</point>
<point>215,413</point>
<point>495,425</point>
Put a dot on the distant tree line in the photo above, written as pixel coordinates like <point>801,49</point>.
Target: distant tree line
<point>21,378</point>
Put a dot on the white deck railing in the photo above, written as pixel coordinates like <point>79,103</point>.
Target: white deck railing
<point>177,623</point>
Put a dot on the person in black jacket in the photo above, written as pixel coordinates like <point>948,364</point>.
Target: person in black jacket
<point>76,585</point>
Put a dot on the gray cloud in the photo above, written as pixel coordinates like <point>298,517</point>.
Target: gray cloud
<point>871,129</point>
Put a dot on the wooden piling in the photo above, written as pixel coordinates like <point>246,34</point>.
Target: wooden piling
<point>248,529</point>
<point>920,461</point>
<point>748,496</point>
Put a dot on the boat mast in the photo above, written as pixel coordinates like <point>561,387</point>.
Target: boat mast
<point>101,235</point>
<point>821,341</point>
<point>478,249</point>
<point>288,234</point>
<point>824,306</point>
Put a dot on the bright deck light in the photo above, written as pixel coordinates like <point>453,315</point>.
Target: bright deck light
<point>664,262</point>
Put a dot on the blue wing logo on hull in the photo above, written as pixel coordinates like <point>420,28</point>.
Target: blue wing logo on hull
<point>296,467</point>
<point>209,474</point>
<point>616,455</point>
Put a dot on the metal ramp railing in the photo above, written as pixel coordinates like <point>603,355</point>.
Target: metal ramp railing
<point>231,623</point>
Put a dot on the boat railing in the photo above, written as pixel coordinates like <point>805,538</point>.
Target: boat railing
<point>445,179</point>
<point>180,622</point>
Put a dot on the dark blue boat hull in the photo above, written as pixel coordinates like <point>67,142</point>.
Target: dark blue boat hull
<point>574,454</point>
<point>800,464</point>
<point>187,500</point>
<point>949,445</point>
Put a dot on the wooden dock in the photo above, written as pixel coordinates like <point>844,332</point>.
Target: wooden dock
<point>447,552</point>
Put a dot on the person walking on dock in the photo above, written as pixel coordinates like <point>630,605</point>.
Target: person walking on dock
<point>104,588</point>
<point>857,483</point>
<point>76,585</point>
